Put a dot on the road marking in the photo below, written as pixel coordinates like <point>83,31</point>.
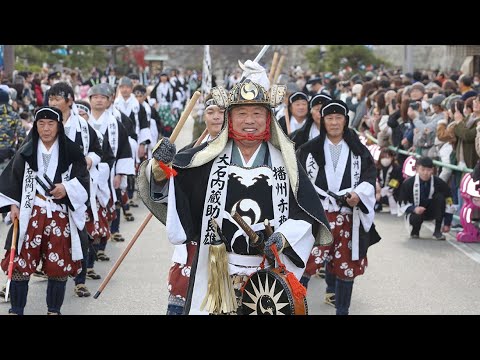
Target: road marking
<point>463,247</point>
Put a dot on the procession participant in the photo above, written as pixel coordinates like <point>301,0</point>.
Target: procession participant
<point>96,225</point>
<point>49,219</point>
<point>115,134</point>
<point>179,274</point>
<point>297,110</point>
<point>140,92</point>
<point>339,165</point>
<point>164,94</point>
<point>311,128</point>
<point>128,104</point>
<point>249,167</point>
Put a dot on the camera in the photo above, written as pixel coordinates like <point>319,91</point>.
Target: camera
<point>414,105</point>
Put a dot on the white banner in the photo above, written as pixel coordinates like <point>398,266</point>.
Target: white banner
<point>206,72</point>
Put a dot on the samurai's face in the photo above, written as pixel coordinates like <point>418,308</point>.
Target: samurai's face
<point>47,130</point>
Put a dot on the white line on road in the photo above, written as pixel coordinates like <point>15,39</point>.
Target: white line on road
<point>463,247</point>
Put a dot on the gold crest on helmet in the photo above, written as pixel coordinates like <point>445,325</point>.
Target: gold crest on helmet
<point>249,93</point>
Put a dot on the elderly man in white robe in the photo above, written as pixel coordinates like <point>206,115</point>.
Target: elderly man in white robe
<point>343,173</point>
<point>45,187</point>
<point>250,167</point>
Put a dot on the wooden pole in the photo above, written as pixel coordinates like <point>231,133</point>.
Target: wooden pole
<point>173,137</point>
<point>287,120</point>
<point>200,139</point>
<point>273,67</point>
<point>184,117</point>
<point>278,69</point>
<point>13,250</point>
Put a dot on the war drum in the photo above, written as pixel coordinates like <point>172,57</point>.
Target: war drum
<point>267,292</point>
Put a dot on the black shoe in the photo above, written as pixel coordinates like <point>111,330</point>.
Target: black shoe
<point>414,236</point>
<point>437,235</point>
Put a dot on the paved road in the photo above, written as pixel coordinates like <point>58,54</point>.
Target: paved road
<point>404,276</point>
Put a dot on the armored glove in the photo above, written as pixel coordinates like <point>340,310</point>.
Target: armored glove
<point>277,239</point>
<point>165,151</point>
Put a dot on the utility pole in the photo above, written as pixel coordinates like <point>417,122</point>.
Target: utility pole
<point>9,60</point>
<point>408,63</point>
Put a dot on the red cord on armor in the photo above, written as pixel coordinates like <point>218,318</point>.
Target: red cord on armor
<point>235,135</point>
<point>169,171</point>
<point>298,290</point>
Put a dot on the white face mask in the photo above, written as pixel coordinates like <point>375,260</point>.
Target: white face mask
<point>386,162</point>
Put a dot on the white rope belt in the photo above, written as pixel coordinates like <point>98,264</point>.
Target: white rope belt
<point>49,205</point>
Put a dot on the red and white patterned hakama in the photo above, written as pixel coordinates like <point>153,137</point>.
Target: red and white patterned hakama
<point>47,239</point>
<point>339,253</point>
<point>179,274</point>
<point>97,229</point>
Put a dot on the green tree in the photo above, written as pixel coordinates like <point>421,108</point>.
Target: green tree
<point>337,57</point>
<point>314,57</point>
<point>82,56</point>
<point>86,57</point>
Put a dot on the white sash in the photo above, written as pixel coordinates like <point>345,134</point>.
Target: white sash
<point>416,190</point>
<point>214,207</point>
<point>108,123</point>
<point>76,218</point>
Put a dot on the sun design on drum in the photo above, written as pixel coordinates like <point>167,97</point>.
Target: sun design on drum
<point>265,299</point>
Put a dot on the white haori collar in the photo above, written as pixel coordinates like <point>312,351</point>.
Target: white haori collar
<point>294,124</point>
<point>52,165</point>
<point>335,175</point>
<point>75,124</point>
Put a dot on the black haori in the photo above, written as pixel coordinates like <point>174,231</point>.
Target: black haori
<point>47,239</point>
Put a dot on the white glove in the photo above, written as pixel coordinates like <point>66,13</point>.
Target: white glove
<point>255,72</point>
